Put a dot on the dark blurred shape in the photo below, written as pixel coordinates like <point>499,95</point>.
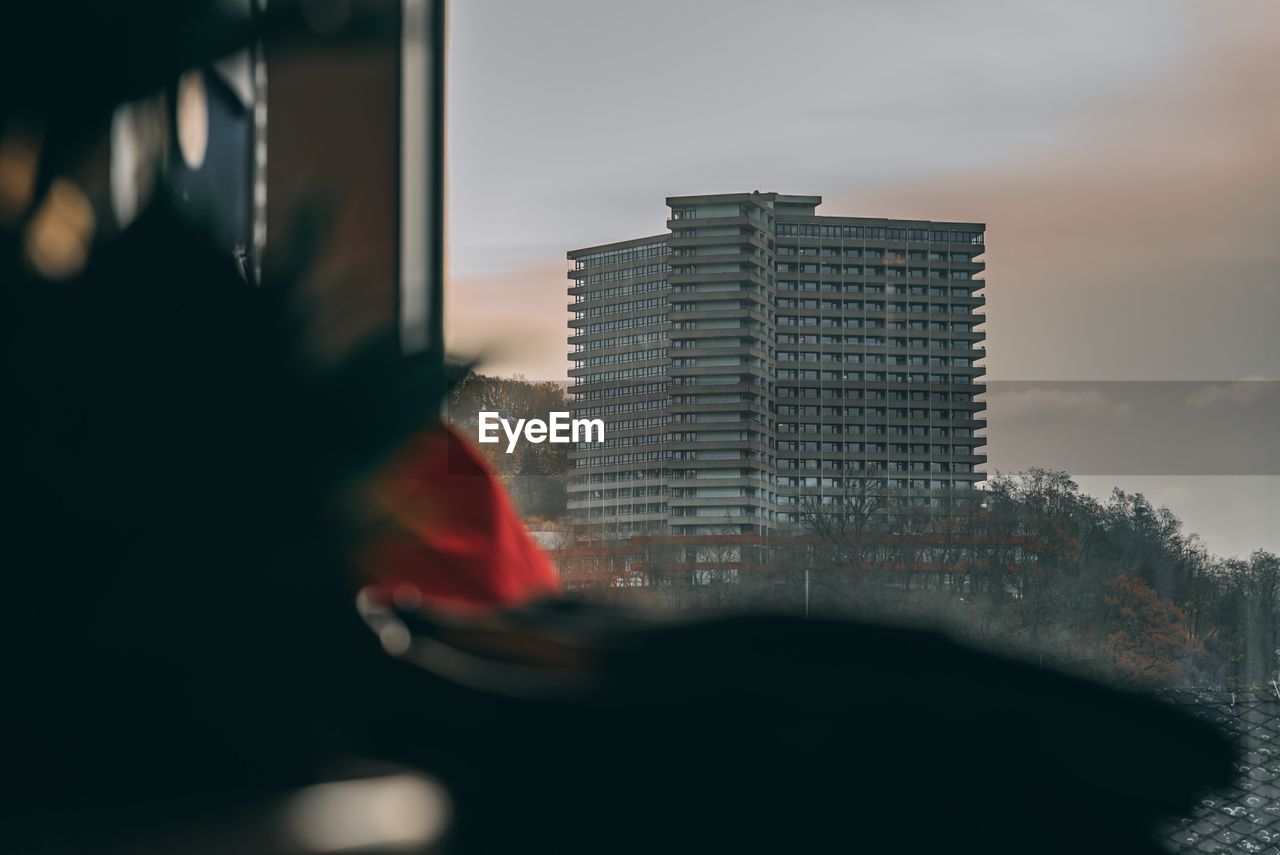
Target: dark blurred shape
<point>170,526</point>
<point>334,146</point>
<point>762,733</point>
<point>215,171</point>
<point>186,666</point>
<point>355,126</point>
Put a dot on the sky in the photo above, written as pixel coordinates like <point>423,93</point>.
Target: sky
<point>1125,157</point>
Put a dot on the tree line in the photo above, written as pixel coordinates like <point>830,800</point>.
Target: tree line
<point>1116,588</point>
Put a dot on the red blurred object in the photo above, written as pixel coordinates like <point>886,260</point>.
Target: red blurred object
<point>455,538</point>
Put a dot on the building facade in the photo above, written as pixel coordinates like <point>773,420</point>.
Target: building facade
<point>758,362</point>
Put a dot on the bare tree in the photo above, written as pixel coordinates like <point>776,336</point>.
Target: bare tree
<point>843,523</point>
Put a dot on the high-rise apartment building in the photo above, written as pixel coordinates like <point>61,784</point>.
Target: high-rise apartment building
<point>758,359</point>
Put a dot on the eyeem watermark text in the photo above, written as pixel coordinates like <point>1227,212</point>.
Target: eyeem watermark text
<point>558,428</point>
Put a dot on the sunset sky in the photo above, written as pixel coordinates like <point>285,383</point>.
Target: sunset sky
<point>1125,156</point>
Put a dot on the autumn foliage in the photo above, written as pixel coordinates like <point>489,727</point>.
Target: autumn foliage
<point>1148,638</point>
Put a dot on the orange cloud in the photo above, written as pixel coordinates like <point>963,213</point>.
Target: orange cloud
<point>513,321</point>
<point>1143,246</point>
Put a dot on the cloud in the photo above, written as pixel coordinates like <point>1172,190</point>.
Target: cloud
<point>1022,404</point>
<point>1141,244</point>
<point>1239,393</point>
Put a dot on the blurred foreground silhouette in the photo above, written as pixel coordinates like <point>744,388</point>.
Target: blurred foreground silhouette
<point>190,668</point>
